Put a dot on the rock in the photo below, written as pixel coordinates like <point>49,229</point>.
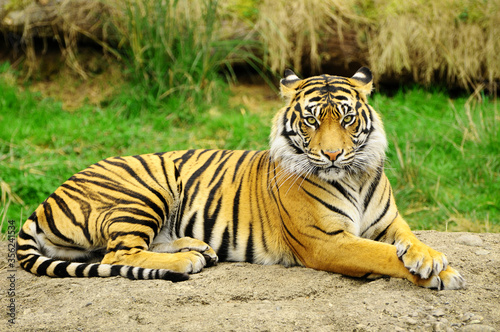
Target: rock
<point>438,312</point>
<point>438,327</point>
<point>470,240</point>
<point>411,321</point>
<point>481,252</point>
<point>466,316</point>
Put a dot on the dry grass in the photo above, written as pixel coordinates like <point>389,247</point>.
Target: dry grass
<point>451,41</point>
<point>294,30</point>
<point>7,196</point>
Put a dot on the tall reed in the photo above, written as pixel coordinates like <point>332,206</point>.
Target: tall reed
<point>175,50</point>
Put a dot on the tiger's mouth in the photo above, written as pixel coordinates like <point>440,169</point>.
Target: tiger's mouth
<point>324,164</point>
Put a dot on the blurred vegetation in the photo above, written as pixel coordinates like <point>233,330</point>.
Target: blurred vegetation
<point>454,42</point>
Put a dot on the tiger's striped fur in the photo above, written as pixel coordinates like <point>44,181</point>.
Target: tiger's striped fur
<point>319,198</point>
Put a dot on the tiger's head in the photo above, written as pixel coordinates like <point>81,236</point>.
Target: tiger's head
<point>328,128</point>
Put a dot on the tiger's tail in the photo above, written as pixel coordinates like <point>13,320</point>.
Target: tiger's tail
<point>31,258</point>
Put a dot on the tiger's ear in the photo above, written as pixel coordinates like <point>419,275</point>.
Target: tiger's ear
<point>363,81</point>
<point>289,83</point>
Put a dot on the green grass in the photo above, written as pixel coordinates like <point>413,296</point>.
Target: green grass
<point>443,159</point>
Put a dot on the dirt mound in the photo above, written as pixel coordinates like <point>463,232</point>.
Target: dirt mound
<point>247,297</point>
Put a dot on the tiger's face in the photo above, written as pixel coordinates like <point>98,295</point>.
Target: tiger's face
<point>328,129</point>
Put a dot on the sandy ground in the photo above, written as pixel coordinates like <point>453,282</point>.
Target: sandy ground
<point>246,297</point>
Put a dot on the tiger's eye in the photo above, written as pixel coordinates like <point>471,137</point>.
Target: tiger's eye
<point>310,120</point>
<point>347,119</point>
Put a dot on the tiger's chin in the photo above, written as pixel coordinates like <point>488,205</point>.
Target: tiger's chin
<point>332,174</point>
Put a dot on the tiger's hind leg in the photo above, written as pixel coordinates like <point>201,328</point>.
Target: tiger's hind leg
<point>131,248</point>
<point>187,244</point>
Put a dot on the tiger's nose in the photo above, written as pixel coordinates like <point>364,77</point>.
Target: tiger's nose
<point>332,155</point>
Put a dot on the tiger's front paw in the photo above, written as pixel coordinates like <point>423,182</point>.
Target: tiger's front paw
<point>420,259</point>
<point>188,262</point>
<point>187,244</point>
<point>447,279</point>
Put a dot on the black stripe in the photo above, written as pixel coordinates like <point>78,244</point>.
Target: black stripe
<point>297,108</point>
<point>277,195</point>
<point>188,231</point>
<point>381,234</point>
<point>134,221</point>
<point>25,236</point>
<point>209,220</point>
<point>223,250</point>
<point>115,270</point>
<point>249,252</point>
<point>42,268</point>
<point>371,189</point>
<point>194,177</point>
<point>344,192</point>
<point>311,89</point>
<point>328,233</point>
<point>165,174</point>
<point>92,176</point>
<point>179,162</point>
<point>49,216</point>
<point>291,235</point>
<point>85,210</point>
<point>61,203</point>
<point>386,208</point>
<point>130,273</point>
<point>188,199</point>
<point>120,246</point>
<point>314,99</point>
<point>296,149</point>
<point>79,270</point>
<point>61,269</point>
<point>25,247</point>
<point>222,163</point>
<point>236,211</point>
<point>387,228</point>
<point>145,237</point>
<point>28,264</point>
<point>145,165</point>
<point>238,163</point>
<point>328,205</point>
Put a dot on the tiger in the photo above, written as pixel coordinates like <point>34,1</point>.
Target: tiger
<point>318,198</point>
